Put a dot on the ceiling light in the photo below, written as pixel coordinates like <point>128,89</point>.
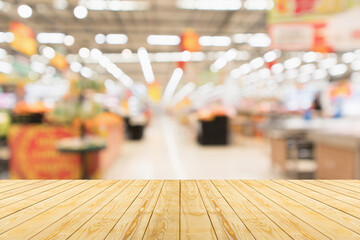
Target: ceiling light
<point>95,53</point>
<point>100,38</point>
<point>80,12</point>
<point>171,40</point>
<point>69,40</point>
<point>231,54</point>
<point>291,74</point>
<point>116,5</point>
<point>338,69</point>
<point>264,73</point>
<point>48,52</point>
<point>3,53</point>
<point>126,53</point>
<point>327,63</point>
<point>184,92</point>
<point>209,4</point>
<point>60,4</point>
<point>24,11</point>
<point>270,56</point>
<point>171,86</point>
<point>245,69</point>
<point>52,38</point>
<point>320,74</point>
<point>75,67</point>
<point>38,67</point>
<point>355,65</point>
<point>50,71</point>
<point>116,39</point>
<point>292,63</point>
<point>186,56</point>
<point>348,57</point>
<point>145,65</point>
<point>277,68</point>
<point>257,63</point>
<point>84,52</point>
<point>308,68</point>
<point>86,72</point>
<point>258,4</point>
<point>6,68</point>
<point>220,41</point>
<point>6,37</point>
<point>310,57</point>
<point>259,40</point>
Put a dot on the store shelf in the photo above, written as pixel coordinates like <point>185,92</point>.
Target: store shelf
<point>172,209</point>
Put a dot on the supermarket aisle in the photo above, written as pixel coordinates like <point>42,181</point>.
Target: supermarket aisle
<point>169,151</point>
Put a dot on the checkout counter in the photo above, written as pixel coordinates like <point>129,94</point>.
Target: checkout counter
<point>324,148</point>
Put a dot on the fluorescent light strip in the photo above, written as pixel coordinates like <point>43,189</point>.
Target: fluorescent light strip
<point>183,92</point>
<point>220,5</point>
<point>171,40</point>
<point>52,38</point>
<point>114,70</point>
<point>115,5</point>
<point>116,39</point>
<point>145,65</point>
<point>167,57</point>
<point>6,37</point>
<point>219,41</point>
<point>171,86</point>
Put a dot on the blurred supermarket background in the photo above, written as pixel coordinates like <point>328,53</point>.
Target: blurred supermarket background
<point>179,89</point>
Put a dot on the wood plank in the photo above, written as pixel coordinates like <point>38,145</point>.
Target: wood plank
<point>68,224</point>
<point>292,225</point>
<point>133,223</point>
<point>354,183</point>
<point>322,223</point>
<point>194,220</point>
<point>102,222</point>
<point>24,189</point>
<point>165,220</point>
<point>355,190</point>
<point>334,203</point>
<point>256,221</point>
<point>328,193</point>
<point>18,185</point>
<point>19,205</point>
<point>227,224</point>
<point>16,218</point>
<point>46,218</point>
<point>334,188</point>
<point>13,199</point>
<point>8,182</point>
<point>334,214</point>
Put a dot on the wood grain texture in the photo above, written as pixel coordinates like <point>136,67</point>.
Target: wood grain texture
<point>322,223</point>
<point>227,224</point>
<point>174,209</point>
<point>295,227</point>
<point>194,220</point>
<point>260,225</point>
<point>165,220</point>
<point>323,208</point>
<point>102,222</point>
<point>133,223</point>
<point>68,224</point>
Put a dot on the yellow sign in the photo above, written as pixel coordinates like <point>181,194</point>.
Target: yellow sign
<point>24,39</point>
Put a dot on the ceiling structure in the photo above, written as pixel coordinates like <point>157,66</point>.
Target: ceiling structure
<point>162,17</point>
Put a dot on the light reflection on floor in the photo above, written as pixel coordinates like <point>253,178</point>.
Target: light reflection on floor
<point>169,151</point>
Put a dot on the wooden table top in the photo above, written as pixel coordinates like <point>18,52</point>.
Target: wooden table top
<point>172,209</point>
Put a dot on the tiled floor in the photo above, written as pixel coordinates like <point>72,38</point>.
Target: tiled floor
<point>169,151</point>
